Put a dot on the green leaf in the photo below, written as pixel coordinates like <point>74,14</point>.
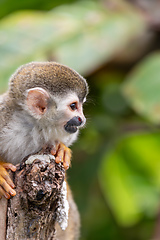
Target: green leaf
<point>142,88</point>
<point>129,177</point>
<point>83,36</point>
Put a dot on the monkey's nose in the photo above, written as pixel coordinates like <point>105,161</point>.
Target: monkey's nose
<point>80,120</point>
<point>75,121</point>
<point>72,124</point>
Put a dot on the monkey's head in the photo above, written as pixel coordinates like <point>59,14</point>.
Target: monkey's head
<point>52,93</point>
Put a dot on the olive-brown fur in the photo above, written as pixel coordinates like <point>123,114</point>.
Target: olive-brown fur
<point>55,77</point>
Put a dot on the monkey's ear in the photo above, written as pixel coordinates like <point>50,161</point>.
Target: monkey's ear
<point>37,101</point>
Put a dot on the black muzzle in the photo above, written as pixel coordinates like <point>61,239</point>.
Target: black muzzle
<point>72,125</point>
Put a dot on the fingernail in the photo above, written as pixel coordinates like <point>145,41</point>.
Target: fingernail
<point>15,168</point>
<point>58,159</point>
<point>7,195</point>
<point>12,185</point>
<point>53,152</point>
<point>66,166</point>
<point>13,193</point>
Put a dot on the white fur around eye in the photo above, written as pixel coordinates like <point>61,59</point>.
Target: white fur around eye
<point>63,103</point>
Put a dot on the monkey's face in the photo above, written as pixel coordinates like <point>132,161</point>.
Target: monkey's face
<point>59,117</point>
<point>65,113</point>
<point>70,109</point>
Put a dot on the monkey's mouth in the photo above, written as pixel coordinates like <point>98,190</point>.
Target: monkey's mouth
<point>72,125</point>
<point>70,129</point>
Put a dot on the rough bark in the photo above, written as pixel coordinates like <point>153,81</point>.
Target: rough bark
<point>3,215</point>
<point>40,201</point>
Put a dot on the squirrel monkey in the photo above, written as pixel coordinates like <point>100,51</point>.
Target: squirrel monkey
<point>42,107</point>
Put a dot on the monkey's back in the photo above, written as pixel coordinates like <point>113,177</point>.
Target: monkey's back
<point>6,110</point>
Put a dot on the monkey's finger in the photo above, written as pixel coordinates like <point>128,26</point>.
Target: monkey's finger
<point>4,175</point>
<point>6,187</point>
<point>8,180</point>
<point>9,166</point>
<point>3,193</point>
<point>60,153</point>
<point>55,149</point>
<point>67,158</point>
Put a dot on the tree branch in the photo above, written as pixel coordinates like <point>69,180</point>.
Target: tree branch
<point>41,200</point>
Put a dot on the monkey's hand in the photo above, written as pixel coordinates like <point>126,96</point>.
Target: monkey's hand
<point>6,184</point>
<point>62,154</point>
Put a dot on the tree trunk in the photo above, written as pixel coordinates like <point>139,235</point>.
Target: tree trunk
<point>41,201</point>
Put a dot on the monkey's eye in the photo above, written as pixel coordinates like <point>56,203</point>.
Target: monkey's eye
<point>73,106</point>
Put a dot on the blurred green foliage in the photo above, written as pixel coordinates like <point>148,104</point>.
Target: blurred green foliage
<point>115,173</point>
<point>125,167</point>
<point>8,6</point>
<point>142,88</point>
<point>56,35</point>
